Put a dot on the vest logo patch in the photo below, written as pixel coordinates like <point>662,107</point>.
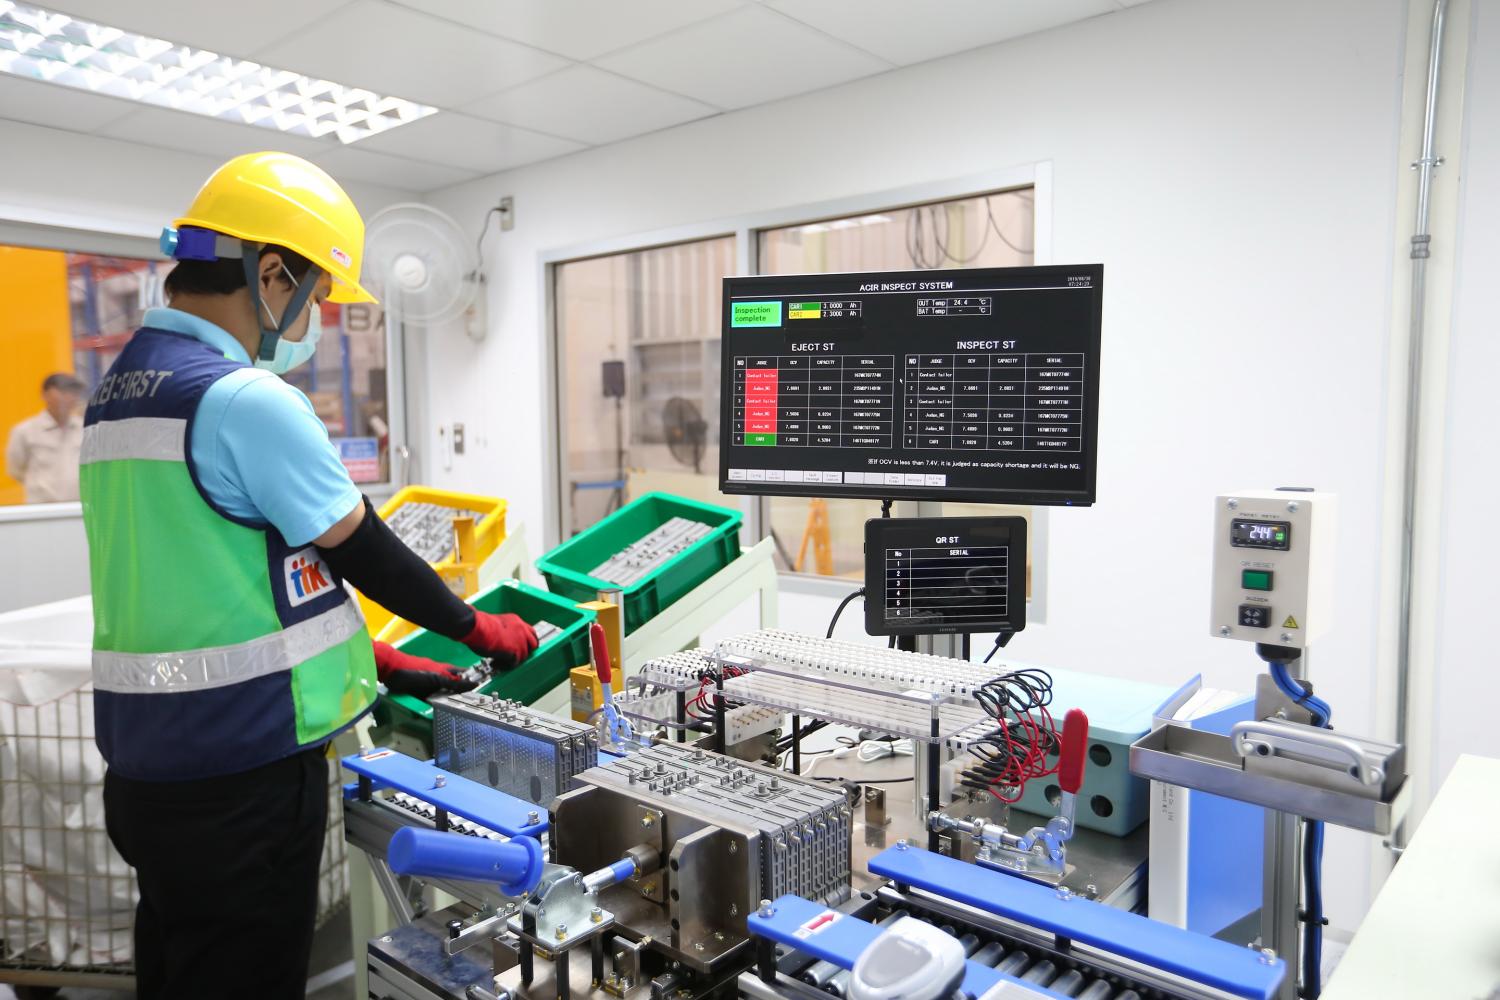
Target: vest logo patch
<point>306,576</point>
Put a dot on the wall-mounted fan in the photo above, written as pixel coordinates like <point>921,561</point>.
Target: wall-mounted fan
<point>426,270</point>
<point>686,431</point>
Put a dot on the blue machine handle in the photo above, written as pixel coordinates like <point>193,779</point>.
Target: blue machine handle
<point>622,870</point>
<point>516,865</point>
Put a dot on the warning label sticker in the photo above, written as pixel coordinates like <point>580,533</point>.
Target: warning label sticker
<point>1290,622</point>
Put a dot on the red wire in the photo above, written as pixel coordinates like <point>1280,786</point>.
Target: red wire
<point>1024,760</point>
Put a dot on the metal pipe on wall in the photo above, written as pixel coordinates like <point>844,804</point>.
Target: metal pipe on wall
<point>1421,241</point>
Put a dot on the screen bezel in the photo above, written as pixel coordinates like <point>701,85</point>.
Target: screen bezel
<point>879,530</point>
<point>1084,497</point>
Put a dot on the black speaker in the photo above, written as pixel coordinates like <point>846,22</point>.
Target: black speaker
<point>614,379</point>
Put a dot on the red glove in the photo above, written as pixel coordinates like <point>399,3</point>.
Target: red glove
<point>505,639</point>
<point>418,676</point>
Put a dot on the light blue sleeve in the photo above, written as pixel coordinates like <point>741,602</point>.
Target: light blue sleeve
<point>262,455</point>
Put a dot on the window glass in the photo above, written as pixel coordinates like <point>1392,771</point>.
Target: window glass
<point>827,536</point>
<point>68,315</point>
<point>638,376</point>
<point>347,381</point>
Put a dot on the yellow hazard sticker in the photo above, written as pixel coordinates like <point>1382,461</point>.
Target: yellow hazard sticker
<point>1290,622</point>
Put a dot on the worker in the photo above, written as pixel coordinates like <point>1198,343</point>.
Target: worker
<point>221,528</point>
<point>42,452</point>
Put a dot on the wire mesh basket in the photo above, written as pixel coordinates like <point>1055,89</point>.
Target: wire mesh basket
<point>67,899</point>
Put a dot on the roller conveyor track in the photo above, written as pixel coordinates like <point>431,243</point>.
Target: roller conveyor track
<point>1021,961</point>
<point>456,824</point>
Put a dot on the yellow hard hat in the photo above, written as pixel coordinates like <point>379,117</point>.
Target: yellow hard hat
<point>283,199</point>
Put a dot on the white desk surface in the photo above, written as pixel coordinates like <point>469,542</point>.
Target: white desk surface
<point>1434,930</point>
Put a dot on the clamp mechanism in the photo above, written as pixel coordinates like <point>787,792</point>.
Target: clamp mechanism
<point>1041,853</point>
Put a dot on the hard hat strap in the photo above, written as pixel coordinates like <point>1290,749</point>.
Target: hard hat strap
<point>250,257</point>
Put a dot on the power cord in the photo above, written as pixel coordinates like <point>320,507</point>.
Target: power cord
<point>842,605</point>
<point>1313,919</point>
<point>484,227</point>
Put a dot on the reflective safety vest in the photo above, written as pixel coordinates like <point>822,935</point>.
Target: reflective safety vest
<point>217,646</point>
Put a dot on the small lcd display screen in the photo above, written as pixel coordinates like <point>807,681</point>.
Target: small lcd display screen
<point>928,576</point>
<point>1247,534</point>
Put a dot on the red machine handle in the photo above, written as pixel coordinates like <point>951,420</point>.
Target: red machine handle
<point>1074,751</point>
<point>601,652</point>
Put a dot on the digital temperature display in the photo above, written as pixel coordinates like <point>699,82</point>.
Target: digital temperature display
<point>1247,534</point>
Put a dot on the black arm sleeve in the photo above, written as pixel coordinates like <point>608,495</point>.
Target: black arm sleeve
<point>396,578</point>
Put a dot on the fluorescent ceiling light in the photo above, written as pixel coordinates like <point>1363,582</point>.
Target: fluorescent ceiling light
<point>39,44</point>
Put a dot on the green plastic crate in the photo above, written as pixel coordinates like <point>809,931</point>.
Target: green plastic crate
<point>566,567</point>
<point>541,672</point>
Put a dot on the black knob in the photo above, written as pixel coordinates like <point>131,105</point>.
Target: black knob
<point>455,928</point>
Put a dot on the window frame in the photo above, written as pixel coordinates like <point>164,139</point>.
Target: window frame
<point>746,230</point>
<point>66,239</point>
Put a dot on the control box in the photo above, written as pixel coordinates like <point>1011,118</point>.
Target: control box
<point>1273,566</point>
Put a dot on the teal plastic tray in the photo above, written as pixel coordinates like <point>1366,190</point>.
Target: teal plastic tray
<point>566,568</point>
<point>542,671</point>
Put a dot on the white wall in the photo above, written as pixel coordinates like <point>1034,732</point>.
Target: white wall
<point>1234,168</point>
<point>62,179</point>
<point>1466,682</point>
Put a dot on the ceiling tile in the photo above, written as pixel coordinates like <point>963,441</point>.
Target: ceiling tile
<point>56,106</point>
<point>400,53</point>
<point>885,27</point>
<point>227,28</point>
<point>743,58</point>
<point>350,164</point>
<point>207,136</point>
<point>589,105</point>
<point>468,143</point>
<point>579,29</point>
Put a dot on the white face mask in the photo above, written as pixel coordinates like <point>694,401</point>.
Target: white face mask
<point>291,354</point>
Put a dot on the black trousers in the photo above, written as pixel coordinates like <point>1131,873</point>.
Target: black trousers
<point>228,873</point>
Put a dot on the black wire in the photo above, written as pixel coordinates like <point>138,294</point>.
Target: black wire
<point>916,248</point>
<point>484,227</point>
<point>993,649</point>
<point>941,243</point>
<point>996,226</point>
<point>785,743</point>
<point>842,605</point>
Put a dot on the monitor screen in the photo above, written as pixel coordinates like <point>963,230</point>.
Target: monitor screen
<point>932,575</point>
<point>976,384</point>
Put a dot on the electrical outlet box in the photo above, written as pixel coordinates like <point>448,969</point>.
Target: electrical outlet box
<point>1273,566</point>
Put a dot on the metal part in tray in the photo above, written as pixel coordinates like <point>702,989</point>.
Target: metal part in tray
<point>427,528</point>
<point>641,558</point>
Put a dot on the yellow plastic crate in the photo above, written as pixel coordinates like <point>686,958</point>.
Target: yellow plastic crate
<point>489,533</point>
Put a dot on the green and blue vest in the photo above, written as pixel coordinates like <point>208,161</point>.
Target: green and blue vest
<point>218,647</point>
